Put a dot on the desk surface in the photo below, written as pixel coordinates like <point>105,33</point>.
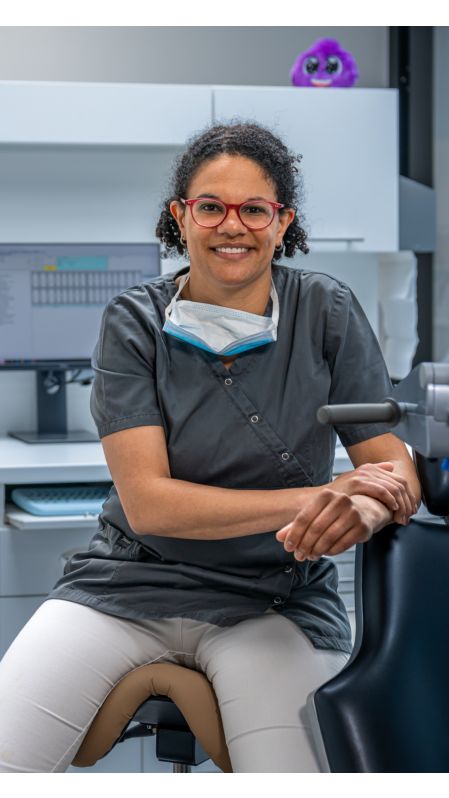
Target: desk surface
<point>22,463</point>
<point>51,462</point>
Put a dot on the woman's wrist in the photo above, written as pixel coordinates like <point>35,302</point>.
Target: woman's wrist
<point>378,514</point>
<point>384,482</point>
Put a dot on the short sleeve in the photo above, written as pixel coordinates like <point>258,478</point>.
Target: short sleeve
<point>358,370</point>
<point>124,391</point>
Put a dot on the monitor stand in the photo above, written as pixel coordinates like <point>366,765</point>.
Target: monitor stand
<point>52,413</point>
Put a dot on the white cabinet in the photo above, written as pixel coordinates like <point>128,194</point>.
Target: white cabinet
<point>32,560</point>
<point>90,161</point>
<point>104,114</point>
<point>83,162</point>
<point>32,557</point>
<point>15,612</point>
<point>349,143</point>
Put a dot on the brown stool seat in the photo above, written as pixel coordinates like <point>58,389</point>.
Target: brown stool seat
<point>188,689</point>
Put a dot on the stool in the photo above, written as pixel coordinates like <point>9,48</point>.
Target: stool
<point>175,703</point>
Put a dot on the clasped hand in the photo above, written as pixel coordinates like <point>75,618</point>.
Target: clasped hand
<point>343,512</point>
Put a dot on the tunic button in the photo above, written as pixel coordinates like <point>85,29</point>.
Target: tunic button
<point>228,381</point>
<point>277,600</point>
<point>288,569</point>
<point>254,419</point>
<point>285,455</point>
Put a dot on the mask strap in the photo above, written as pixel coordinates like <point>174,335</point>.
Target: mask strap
<point>275,300</point>
<point>182,283</point>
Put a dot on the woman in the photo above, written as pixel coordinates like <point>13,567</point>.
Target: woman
<point>207,383</point>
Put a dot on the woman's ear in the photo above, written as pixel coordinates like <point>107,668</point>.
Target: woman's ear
<point>177,210</point>
<point>286,217</point>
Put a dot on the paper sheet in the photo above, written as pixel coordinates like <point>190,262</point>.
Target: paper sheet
<point>398,311</point>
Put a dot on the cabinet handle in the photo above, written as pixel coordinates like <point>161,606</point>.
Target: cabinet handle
<point>336,238</point>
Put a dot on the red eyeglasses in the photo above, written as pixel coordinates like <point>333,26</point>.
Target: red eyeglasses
<point>254,214</point>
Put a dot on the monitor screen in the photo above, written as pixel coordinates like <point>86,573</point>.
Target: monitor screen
<point>52,296</point>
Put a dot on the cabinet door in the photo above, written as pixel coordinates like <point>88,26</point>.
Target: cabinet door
<point>14,614</point>
<point>349,142</point>
<point>101,113</point>
<point>32,561</point>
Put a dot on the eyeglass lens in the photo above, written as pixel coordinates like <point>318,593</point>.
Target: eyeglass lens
<point>254,215</point>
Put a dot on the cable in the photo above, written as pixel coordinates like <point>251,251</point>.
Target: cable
<point>52,383</point>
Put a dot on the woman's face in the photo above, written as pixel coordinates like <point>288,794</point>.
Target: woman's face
<point>232,179</point>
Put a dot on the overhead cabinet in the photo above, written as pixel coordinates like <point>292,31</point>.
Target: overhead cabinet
<point>103,114</point>
<point>348,139</point>
<point>91,161</point>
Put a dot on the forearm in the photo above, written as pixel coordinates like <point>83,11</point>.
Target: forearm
<point>407,469</point>
<point>179,509</point>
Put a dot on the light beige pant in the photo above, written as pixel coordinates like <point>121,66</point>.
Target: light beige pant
<point>68,657</point>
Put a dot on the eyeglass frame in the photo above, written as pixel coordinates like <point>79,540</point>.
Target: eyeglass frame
<point>228,206</point>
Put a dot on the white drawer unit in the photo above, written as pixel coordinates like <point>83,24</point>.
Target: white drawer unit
<point>30,559</point>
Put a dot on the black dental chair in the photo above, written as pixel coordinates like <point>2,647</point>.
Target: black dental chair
<point>388,709</point>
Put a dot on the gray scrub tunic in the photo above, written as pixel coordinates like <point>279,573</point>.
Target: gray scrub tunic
<point>252,427</point>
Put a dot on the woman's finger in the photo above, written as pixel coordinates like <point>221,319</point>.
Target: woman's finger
<point>325,528</point>
<point>399,487</point>
<point>403,481</point>
<point>396,483</point>
<point>352,536</point>
<point>381,473</point>
<point>377,490</point>
<point>282,533</point>
<point>309,519</point>
<point>390,494</point>
<point>326,541</point>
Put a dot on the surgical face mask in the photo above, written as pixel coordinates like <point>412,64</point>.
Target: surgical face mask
<point>223,331</point>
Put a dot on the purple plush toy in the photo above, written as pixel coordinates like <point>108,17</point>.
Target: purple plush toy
<point>325,65</point>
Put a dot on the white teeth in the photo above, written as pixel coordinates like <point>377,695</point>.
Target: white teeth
<point>232,250</point>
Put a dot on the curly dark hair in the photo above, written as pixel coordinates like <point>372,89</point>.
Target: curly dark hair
<point>250,140</point>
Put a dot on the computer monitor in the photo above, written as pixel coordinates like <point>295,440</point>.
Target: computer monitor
<point>52,298</point>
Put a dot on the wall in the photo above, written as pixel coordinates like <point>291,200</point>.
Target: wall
<point>441,184</point>
<point>228,55</point>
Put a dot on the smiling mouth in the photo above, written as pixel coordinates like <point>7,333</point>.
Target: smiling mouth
<point>322,82</point>
<point>231,250</point>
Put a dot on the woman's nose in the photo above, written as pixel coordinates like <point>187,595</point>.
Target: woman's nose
<point>231,223</point>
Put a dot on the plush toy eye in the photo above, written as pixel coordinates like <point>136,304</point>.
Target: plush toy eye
<point>333,65</point>
<point>310,65</point>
